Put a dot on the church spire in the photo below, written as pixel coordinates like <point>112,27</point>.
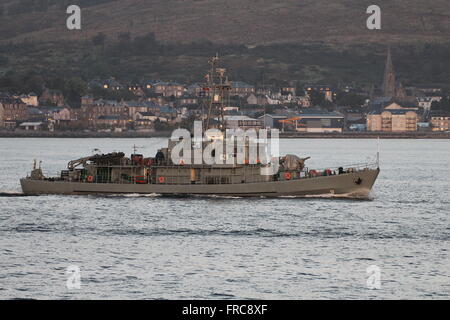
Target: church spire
<point>389,76</point>
<point>400,92</point>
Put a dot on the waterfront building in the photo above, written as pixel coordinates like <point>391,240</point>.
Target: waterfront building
<point>426,102</point>
<point>99,108</point>
<point>258,99</point>
<point>393,120</point>
<point>326,90</point>
<point>272,121</point>
<point>319,121</point>
<point>307,120</point>
<point>148,116</point>
<point>241,89</point>
<point>242,122</point>
<point>12,111</point>
<point>168,89</point>
<point>111,121</point>
<point>49,113</point>
<point>187,100</point>
<point>31,126</point>
<point>440,121</point>
<point>30,99</point>
<point>112,84</point>
<point>52,97</point>
<point>288,90</point>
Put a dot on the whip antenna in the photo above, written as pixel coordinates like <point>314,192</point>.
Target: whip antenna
<point>378,152</point>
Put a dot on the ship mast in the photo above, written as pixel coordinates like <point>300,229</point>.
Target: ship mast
<point>218,87</point>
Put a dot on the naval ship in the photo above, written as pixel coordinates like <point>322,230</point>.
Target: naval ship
<point>239,174</point>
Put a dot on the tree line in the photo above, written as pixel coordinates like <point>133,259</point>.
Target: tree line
<point>68,65</point>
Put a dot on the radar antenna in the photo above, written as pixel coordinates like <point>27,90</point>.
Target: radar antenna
<point>218,88</point>
<point>135,148</point>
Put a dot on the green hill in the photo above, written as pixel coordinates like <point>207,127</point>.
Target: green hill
<point>261,41</point>
<point>233,21</point>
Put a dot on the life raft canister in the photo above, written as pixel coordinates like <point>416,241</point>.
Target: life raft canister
<point>140,180</point>
<point>288,176</point>
<point>161,179</point>
<point>90,179</point>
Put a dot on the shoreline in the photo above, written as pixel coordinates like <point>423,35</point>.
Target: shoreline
<point>284,135</point>
<point>367,135</point>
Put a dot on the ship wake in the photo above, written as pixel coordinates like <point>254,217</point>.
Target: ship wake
<point>12,194</point>
<point>345,196</point>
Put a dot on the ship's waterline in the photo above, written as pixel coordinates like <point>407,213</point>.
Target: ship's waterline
<point>345,184</point>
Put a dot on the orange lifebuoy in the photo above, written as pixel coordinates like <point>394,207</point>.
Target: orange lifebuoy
<point>161,179</point>
<point>288,176</point>
<point>90,179</point>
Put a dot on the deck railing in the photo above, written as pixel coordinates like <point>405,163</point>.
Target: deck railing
<point>221,178</point>
<point>355,167</point>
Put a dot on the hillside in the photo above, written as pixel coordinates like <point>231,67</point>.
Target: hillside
<point>260,41</point>
<point>231,21</point>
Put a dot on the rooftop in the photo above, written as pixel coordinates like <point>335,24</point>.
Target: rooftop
<point>30,124</point>
<point>147,114</point>
<point>240,84</point>
<point>319,113</point>
<point>237,118</point>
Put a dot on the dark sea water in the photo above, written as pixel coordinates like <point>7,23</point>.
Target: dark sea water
<point>151,247</point>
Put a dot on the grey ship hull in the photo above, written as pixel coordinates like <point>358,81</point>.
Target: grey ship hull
<point>356,184</point>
